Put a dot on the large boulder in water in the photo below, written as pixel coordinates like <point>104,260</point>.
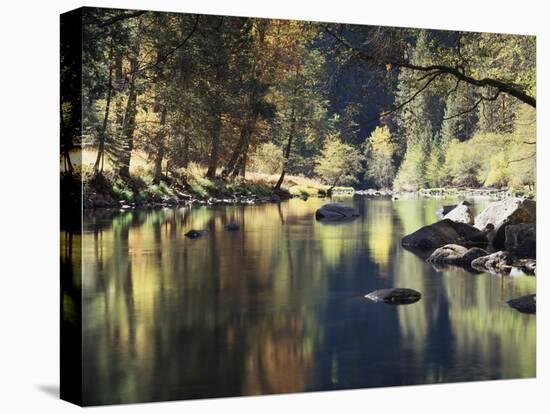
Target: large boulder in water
<point>195,234</point>
<point>499,262</point>
<point>335,212</point>
<point>456,255</point>
<point>462,213</point>
<point>524,304</point>
<point>444,232</point>
<point>495,218</point>
<point>395,296</point>
<point>521,239</point>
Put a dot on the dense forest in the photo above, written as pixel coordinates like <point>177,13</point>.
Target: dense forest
<point>202,104</point>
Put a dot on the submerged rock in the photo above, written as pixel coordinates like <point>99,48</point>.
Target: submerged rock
<point>499,262</point>
<point>524,304</point>
<point>335,212</point>
<point>521,239</point>
<point>445,232</point>
<point>456,254</point>
<point>462,213</point>
<point>498,216</point>
<point>396,296</point>
<point>232,226</point>
<point>193,234</point>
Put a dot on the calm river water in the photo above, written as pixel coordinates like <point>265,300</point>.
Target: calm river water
<point>278,306</point>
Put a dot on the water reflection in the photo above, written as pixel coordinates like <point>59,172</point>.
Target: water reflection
<point>277,306</point>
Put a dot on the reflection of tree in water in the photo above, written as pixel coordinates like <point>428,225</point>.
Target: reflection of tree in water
<point>167,318</point>
<point>71,311</point>
<point>466,312</point>
<point>379,222</point>
<point>434,340</point>
<point>279,357</point>
<point>277,306</point>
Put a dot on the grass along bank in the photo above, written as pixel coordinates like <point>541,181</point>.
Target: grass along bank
<point>189,186</point>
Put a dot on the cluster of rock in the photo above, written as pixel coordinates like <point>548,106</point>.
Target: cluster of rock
<point>371,192</point>
<point>466,192</point>
<point>97,200</point>
<point>94,200</point>
<point>500,239</point>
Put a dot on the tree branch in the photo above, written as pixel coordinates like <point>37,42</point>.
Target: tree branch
<point>121,16</point>
<point>501,86</point>
<point>409,100</point>
<point>171,52</point>
<point>481,99</point>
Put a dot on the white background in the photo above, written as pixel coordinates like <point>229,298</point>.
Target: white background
<point>29,287</point>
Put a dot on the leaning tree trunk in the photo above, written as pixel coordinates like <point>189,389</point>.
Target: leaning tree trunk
<point>287,149</point>
<point>235,163</point>
<point>230,166</point>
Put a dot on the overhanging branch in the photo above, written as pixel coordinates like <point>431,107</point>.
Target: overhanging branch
<point>458,73</point>
<point>474,106</point>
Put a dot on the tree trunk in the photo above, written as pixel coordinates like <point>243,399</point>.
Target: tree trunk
<point>99,162</point>
<point>234,164</point>
<point>287,149</point>
<point>66,142</point>
<point>219,81</point>
<point>230,166</point>
<point>129,124</point>
<point>186,150</point>
<point>128,131</point>
<point>119,80</point>
<point>214,152</point>
<point>243,166</point>
<point>160,148</point>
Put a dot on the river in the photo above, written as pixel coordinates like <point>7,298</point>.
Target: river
<point>278,306</point>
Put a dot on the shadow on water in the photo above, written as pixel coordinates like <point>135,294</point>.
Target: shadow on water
<point>278,306</point>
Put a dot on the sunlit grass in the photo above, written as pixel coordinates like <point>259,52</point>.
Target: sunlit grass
<point>195,175</point>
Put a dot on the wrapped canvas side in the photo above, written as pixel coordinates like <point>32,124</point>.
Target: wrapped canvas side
<point>71,206</point>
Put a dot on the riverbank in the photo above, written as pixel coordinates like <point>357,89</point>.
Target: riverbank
<point>108,190</point>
